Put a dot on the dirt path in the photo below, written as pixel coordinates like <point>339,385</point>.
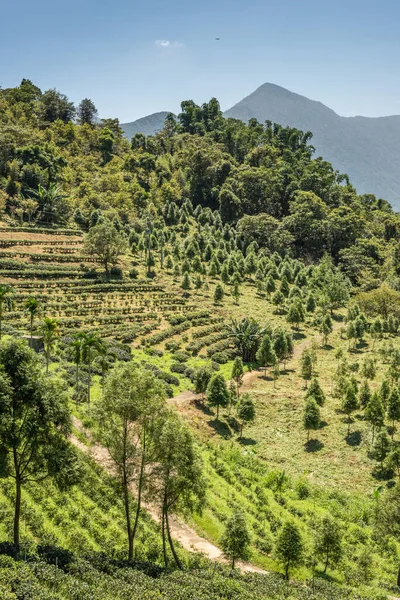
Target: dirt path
<point>188,538</point>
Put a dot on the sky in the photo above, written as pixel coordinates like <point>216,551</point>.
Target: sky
<point>133,58</point>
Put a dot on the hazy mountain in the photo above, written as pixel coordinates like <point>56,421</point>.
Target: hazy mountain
<point>367,149</point>
<point>147,125</point>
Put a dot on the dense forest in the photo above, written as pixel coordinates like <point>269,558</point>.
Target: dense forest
<point>215,313</point>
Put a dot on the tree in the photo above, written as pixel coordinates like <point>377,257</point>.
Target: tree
<point>374,413</point>
<point>105,242</point>
<point>381,448</point>
<point>393,408</point>
<point>386,518</point>
<point>236,292</point>
<point>364,395</point>
<point>326,328</point>
<point>218,293</point>
<point>185,285</point>
<point>266,354</point>
<point>270,287</point>
<point>76,348</point>
<point>50,333</point>
<point>55,106</point>
<point>91,345</point>
<point>246,335</point>
<point>104,358</point>
<point>201,380</point>
<point>349,405</point>
<point>217,392</point>
<point>246,411</point>
<point>51,200</point>
<point>237,373</point>
<point>178,480</point>
<point>129,417</point>
<point>34,425</point>
<point>295,314</point>
<point>32,305</point>
<point>311,416</point>
<point>315,391</point>
<point>306,366</point>
<point>6,302</point>
<point>280,345</point>
<point>368,369</point>
<point>393,461</point>
<point>328,542</point>
<point>236,539</point>
<point>289,547</point>
<point>87,112</point>
<point>278,300</point>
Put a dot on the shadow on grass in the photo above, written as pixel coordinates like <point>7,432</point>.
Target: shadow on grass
<point>339,318</point>
<point>203,407</point>
<point>327,347</point>
<point>299,335</point>
<point>313,446</point>
<point>247,441</point>
<point>354,438</point>
<point>221,428</point>
<point>323,424</point>
<point>381,474</point>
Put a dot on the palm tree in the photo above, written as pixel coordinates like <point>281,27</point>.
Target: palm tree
<point>48,199</point>
<point>50,332</point>
<point>104,354</point>
<point>6,301</point>
<point>32,306</point>
<point>76,347</point>
<point>246,335</point>
<point>91,344</point>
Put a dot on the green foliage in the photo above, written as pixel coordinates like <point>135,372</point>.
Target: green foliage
<point>289,548</point>
<point>217,393</point>
<point>236,538</point>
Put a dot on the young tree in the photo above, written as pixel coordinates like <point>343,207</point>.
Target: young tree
<point>374,413</point>
<point>280,345</point>
<point>328,542</point>
<point>270,286</point>
<point>246,411</point>
<point>311,416</point>
<point>50,333</point>
<point>295,314</point>
<point>185,285</point>
<point>201,380</point>
<point>178,480</point>
<point>236,292</point>
<point>218,293</point>
<point>315,391</point>
<point>289,548</point>
<point>278,300</point>
<point>91,344</point>
<point>35,424</point>
<point>393,461</point>
<point>306,364</point>
<point>6,302</point>
<point>265,353</point>
<point>217,392</point>
<point>236,539</point>
<point>349,405</point>
<point>376,331</point>
<point>32,305</point>
<point>381,448</point>
<point>326,328</point>
<point>105,242</point>
<point>237,374</point>
<point>364,395</point>
<point>368,369</point>
<point>393,408</point>
<point>129,417</point>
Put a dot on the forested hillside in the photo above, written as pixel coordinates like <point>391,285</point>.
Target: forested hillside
<point>215,315</point>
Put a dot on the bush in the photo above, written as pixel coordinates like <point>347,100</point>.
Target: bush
<point>220,358</point>
<point>180,356</point>
<point>133,273</point>
<point>116,272</point>
<point>168,378</point>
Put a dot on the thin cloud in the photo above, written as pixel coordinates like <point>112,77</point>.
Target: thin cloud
<point>168,44</point>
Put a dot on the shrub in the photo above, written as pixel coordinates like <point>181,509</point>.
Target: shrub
<point>178,368</point>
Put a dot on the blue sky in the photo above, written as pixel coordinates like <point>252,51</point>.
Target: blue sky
<point>134,57</point>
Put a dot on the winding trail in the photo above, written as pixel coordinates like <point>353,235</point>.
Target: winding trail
<point>188,537</point>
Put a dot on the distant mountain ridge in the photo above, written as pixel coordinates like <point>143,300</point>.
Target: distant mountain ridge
<point>367,149</point>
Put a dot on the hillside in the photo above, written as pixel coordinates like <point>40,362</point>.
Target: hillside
<point>219,315</point>
<point>364,148</point>
<point>149,125</point>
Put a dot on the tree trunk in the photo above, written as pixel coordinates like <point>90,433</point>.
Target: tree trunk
<point>326,563</point>
<point>217,411</point>
<point>287,572</point>
<point>171,544</point>
<point>241,430</point>
<point>90,377</point>
<point>128,516</point>
<point>163,534</point>
<point>140,489</point>
<point>233,563</point>
<point>47,360</point>
<point>17,511</point>
<point>31,329</point>
<point>348,425</point>
<point>77,374</point>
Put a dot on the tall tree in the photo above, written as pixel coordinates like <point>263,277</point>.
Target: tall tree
<point>328,542</point>
<point>34,425</point>
<point>374,413</point>
<point>265,354</point>
<point>311,416</point>
<point>237,374</point>
<point>246,411</point>
<point>91,345</point>
<point>349,404</point>
<point>236,539</point>
<point>178,479</point>
<point>32,305</point>
<point>87,112</point>
<point>50,333</point>
<point>306,364</point>
<point>289,548</point>
<point>129,416</point>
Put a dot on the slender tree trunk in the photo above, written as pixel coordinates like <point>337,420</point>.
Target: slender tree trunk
<point>31,329</point>
<point>287,572</point>
<point>163,534</point>
<point>17,508</point>
<point>77,374</point>
<point>217,411</point>
<point>140,489</point>
<point>233,563</point>
<point>90,378</point>
<point>171,544</point>
<point>126,502</point>
<point>348,425</point>
<point>47,359</point>
<point>241,430</point>
<point>326,563</point>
